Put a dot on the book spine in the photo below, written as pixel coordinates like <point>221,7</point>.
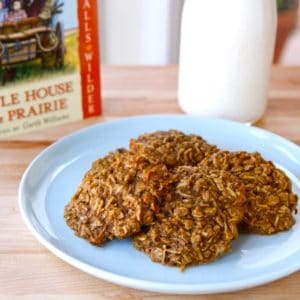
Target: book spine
<point>89,57</point>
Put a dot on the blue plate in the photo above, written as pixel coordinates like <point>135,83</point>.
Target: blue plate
<point>52,178</point>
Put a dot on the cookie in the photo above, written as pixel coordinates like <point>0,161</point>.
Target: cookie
<point>198,218</point>
<point>172,148</point>
<point>119,194</point>
<point>270,200</point>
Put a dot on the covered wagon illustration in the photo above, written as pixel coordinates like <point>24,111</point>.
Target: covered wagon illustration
<point>30,30</point>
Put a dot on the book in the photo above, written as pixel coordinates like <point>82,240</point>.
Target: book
<point>49,63</point>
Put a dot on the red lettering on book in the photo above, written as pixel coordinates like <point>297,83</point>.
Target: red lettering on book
<point>89,57</point>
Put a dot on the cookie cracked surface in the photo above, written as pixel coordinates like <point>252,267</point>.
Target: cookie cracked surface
<point>172,148</point>
<point>118,195</point>
<point>270,201</point>
<point>198,218</point>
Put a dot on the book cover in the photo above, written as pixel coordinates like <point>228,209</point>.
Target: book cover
<point>49,63</point>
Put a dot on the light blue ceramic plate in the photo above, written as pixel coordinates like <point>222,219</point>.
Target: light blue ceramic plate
<point>53,176</point>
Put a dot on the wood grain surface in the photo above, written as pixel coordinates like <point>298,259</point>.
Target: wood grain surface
<point>29,271</point>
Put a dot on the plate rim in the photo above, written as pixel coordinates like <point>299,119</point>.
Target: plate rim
<point>147,285</point>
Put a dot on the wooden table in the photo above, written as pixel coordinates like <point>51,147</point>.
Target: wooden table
<point>30,271</point>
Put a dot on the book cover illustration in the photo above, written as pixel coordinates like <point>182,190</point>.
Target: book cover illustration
<point>49,63</point>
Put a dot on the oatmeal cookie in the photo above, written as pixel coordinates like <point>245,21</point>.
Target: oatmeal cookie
<point>118,194</point>
<point>172,148</point>
<point>270,200</point>
<point>198,219</point>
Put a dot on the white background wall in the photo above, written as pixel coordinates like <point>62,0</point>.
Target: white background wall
<point>147,32</point>
<point>140,31</point>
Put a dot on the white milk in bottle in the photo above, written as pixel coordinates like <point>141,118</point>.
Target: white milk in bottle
<point>225,57</point>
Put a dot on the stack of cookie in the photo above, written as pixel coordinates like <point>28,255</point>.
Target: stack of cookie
<point>182,200</point>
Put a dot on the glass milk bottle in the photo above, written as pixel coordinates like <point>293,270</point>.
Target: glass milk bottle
<point>225,57</point>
